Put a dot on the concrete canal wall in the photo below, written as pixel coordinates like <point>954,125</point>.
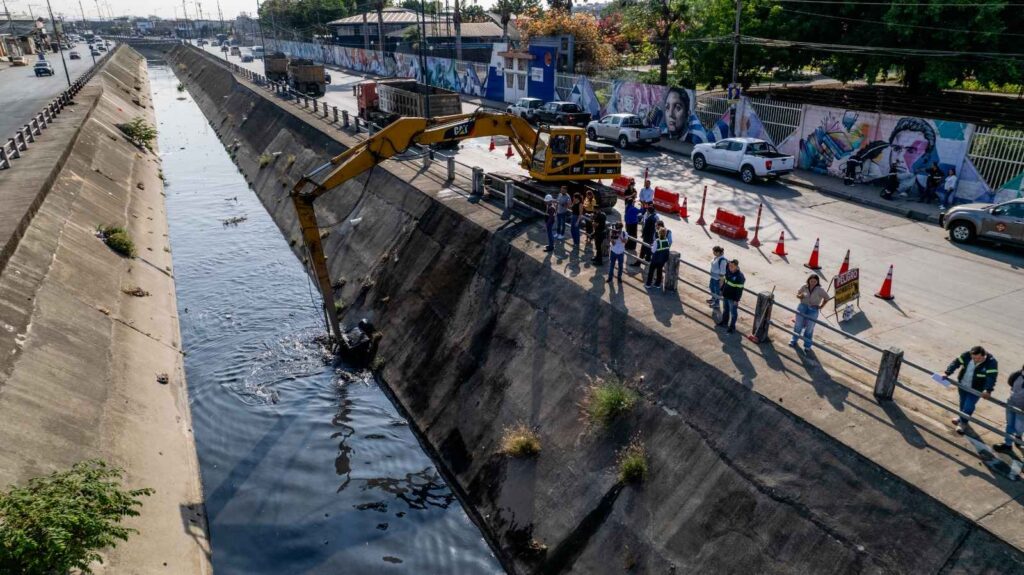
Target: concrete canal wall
<point>480,333</point>
<point>80,358</point>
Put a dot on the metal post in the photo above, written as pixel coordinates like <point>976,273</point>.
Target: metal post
<point>451,168</point>
<point>756,242</point>
<point>335,114</point>
<point>704,200</point>
<point>888,373</point>
<point>672,271</point>
<point>510,198</point>
<point>325,111</point>
<point>426,159</point>
<point>762,317</point>
<point>478,181</point>
<point>736,42</point>
<point>315,106</point>
<point>344,118</point>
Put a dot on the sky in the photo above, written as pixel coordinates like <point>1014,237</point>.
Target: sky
<point>162,8</point>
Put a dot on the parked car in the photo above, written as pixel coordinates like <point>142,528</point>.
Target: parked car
<point>525,108</point>
<point>750,157</point>
<point>625,129</point>
<point>94,52</point>
<point>562,114</point>
<point>43,68</point>
<point>235,51</point>
<point>246,57</point>
<point>18,61</point>
<point>73,55</point>
<point>101,47</point>
<point>1000,222</point>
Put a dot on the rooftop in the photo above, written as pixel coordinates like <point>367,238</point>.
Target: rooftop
<point>447,29</point>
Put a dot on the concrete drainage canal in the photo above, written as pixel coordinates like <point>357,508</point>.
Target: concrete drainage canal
<point>306,465</point>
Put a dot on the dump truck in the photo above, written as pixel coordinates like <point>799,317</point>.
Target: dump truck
<point>384,101</point>
<point>275,67</point>
<point>307,77</point>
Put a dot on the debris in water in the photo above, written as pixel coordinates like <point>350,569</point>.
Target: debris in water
<point>382,526</point>
<point>375,506</point>
<point>235,220</point>
<point>163,378</point>
<point>391,559</point>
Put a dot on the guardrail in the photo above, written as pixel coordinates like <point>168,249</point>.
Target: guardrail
<point>887,375</point>
<point>13,148</point>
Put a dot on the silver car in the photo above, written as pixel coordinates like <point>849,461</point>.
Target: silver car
<point>999,222</point>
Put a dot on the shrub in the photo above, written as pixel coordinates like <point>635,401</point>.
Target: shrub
<point>118,240</point>
<point>633,463</point>
<point>181,87</point>
<point>606,400</point>
<point>58,523</point>
<point>520,441</point>
<point>139,132</point>
<point>265,159</point>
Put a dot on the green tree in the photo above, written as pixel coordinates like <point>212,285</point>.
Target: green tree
<point>508,9</point>
<point>427,6</point>
<point>474,13</point>
<point>60,522</point>
<point>303,19</point>
<point>657,22</point>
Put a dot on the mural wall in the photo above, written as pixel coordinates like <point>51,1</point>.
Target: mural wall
<point>668,108</point>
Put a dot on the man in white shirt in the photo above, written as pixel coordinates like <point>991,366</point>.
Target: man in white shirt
<point>646,196</point>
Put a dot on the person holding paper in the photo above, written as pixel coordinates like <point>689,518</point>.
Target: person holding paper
<point>978,371</point>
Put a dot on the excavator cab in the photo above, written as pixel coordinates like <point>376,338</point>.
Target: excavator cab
<point>561,153</point>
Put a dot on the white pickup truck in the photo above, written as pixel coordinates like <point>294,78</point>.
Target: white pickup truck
<point>751,157</point>
<point>625,129</point>
<point>526,108</point>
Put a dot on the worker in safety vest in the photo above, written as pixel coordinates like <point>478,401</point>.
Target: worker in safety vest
<point>732,291</point>
<point>978,371</point>
<point>658,260</point>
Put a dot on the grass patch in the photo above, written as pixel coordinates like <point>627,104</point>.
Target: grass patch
<point>117,239</point>
<point>265,159</point>
<point>139,132</point>
<point>633,463</point>
<point>605,400</point>
<point>520,441</point>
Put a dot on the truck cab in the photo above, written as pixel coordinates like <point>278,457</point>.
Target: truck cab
<point>562,153</point>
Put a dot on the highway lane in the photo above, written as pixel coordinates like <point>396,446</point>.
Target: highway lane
<point>22,94</point>
<point>948,297</point>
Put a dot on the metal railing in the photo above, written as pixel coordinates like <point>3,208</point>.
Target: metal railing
<point>998,155</point>
<point>13,148</point>
<point>780,119</point>
<point>509,193</point>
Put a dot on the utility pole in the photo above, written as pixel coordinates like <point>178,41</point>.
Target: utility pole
<point>10,22</point>
<point>99,14</point>
<point>53,27</point>
<point>188,26</point>
<point>259,20</point>
<point>736,43</point>
<point>423,58</point>
<point>458,31</point>
<point>220,15</point>
<point>366,33</point>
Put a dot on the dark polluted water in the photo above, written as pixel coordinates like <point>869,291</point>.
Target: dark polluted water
<point>306,466</point>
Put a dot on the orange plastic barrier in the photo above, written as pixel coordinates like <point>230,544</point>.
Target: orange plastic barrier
<point>666,201</point>
<point>730,225</point>
<point>620,184</point>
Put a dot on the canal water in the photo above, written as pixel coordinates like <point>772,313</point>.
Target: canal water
<point>306,466</point>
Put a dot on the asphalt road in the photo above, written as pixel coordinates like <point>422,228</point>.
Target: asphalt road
<point>22,94</point>
<point>948,296</point>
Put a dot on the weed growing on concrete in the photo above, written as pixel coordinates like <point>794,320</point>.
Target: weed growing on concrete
<point>139,132</point>
<point>520,441</point>
<point>633,463</point>
<point>181,87</point>
<point>135,291</point>
<point>290,160</point>
<point>378,363</point>
<point>61,521</point>
<point>117,239</point>
<point>603,401</point>
<point>265,159</point>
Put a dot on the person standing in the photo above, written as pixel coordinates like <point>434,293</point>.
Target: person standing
<point>550,209</point>
<point>933,182</point>
<point>660,225</point>
<point>632,219</point>
<point>647,195</point>
<point>648,229</point>
<point>732,292</point>
<point>629,194</point>
<point>949,189</point>
<point>616,250</point>
<point>600,235</point>
<point>892,183</point>
<point>658,260</point>
<point>575,212</point>
<point>589,208</point>
<point>563,212</point>
<point>718,268</point>
<point>978,371</point>
<point>812,298</point>
<point>1014,420</point>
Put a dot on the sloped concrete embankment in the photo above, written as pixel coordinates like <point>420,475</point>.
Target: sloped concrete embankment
<point>80,358</point>
<point>479,335</point>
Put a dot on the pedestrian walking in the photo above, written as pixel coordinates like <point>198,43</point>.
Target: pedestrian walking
<point>812,298</point>
<point>978,371</point>
<point>732,292</point>
<point>550,209</point>
<point>648,229</point>
<point>600,235</point>
<point>658,259</point>
<point>632,218</point>
<point>575,213</point>
<point>647,195</point>
<point>616,250</point>
<point>563,212</point>
<point>589,208</point>
<point>718,268</point>
<point>949,190</point>
<point>1014,420</point>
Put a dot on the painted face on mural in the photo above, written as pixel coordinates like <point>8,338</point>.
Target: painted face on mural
<point>677,112</point>
<point>912,139</point>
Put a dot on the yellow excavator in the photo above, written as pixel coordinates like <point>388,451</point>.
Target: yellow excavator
<point>552,155</point>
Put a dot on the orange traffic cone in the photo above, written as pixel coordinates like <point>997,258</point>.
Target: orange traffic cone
<point>509,153</point>
<point>682,211</point>
<point>491,148</point>
<point>812,264</point>
<point>780,248</point>
<point>846,264</point>
<point>886,291</point>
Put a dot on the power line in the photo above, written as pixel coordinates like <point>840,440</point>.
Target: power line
<point>906,4</point>
<point>884,23</point>
<point>860,50</point>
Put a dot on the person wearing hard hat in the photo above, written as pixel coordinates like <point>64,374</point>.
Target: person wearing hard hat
<point>550,209</point>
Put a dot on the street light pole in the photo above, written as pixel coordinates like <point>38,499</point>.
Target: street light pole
<point>86,23</point>
<point>53,24</point>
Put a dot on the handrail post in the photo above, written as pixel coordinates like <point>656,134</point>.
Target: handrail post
<point>888,373</point>
<point>672,271</point>
<point>478,181</point>
<point>16,153</point>
<point>427,157</point>
<point>5,162</point>
<point>510,198</point>
<point>451,168</point>
<point>335,114</point>
<point>344,118</point>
